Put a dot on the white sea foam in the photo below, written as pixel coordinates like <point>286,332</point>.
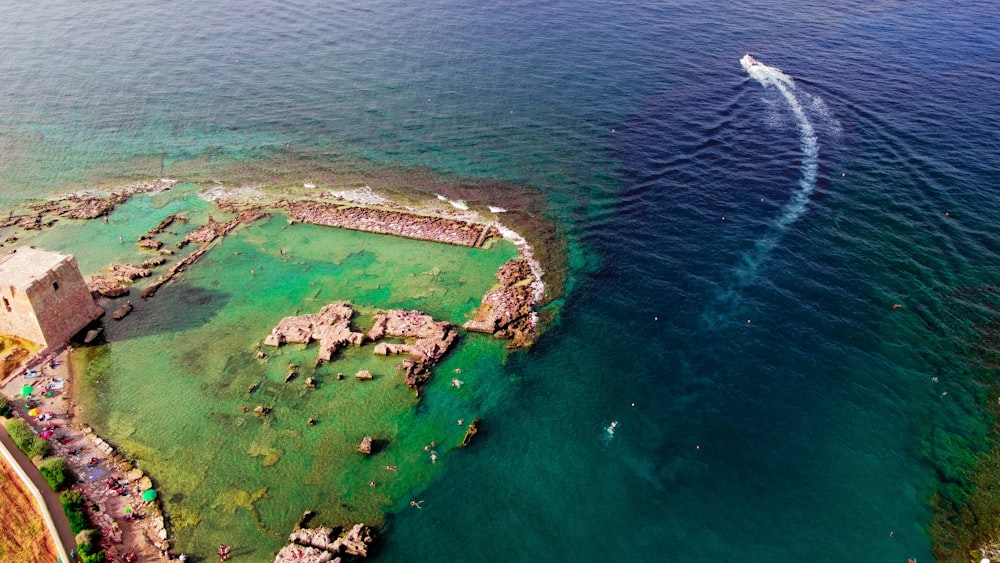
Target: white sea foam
<point>537,287</point>
<point>363,195</point>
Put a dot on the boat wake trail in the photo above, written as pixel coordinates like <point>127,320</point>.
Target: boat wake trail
<point>746,272</point>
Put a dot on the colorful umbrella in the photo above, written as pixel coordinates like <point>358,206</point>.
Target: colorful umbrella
<point>149,494</point>
<point>34,411</point>
<point>27,390</point>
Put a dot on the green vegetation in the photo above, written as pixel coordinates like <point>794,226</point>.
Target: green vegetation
<point>26,440</point>
<point>4,407</point>
<point>73,504</point>
<point>57,473</point>
<point>967,505</point>
<point>88,555</point>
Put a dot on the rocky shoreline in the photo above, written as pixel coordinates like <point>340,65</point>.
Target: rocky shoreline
<point>110,482</point>
<point>507,311</point>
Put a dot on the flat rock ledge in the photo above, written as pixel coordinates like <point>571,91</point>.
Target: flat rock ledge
<point>115,283</point>
<point>429,339</point>
<point>398,223</point>
<point>506,311</point>
<point>331,327</point>
<point>320,545</point>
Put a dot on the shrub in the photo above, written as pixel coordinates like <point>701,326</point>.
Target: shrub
<point>4,406</point>
<point>57,473</point>
<point>26,440</point>
<point>20,433</point>
<point>39,448</point>
<point>72,502</point>
<point>88,555</point>
<point>86,538</point>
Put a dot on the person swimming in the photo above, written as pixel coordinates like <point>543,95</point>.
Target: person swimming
<point>612,427</point>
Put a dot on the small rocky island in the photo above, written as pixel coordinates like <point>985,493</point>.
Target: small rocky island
<point>430,339</point>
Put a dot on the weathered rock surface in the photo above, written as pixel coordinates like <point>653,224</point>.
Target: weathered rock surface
<point>331,327</point>
<point>318,545</point>
<point>123,311</point>
<point>398,223</point>
<point>115,283</point>
<point>365,446</point>
<point>214,229</point>
<point>506,311</point>
<point>432,339</point>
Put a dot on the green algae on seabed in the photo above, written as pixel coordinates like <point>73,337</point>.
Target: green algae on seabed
<point>966,520</point>
<point>168,385</point>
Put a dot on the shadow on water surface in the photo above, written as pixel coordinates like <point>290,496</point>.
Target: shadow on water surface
<point>174,309</point>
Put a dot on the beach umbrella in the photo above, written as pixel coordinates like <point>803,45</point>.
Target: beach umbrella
<point>149,494</point>
<point>27,390</point>
<point>34,412</point>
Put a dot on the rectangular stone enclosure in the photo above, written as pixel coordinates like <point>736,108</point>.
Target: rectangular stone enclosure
<point>43,297</point>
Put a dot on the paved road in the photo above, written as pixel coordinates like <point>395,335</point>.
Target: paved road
<point>57,516</point>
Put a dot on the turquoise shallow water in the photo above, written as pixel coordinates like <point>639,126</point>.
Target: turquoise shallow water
<point>170,386</point>
<point>808,433</point>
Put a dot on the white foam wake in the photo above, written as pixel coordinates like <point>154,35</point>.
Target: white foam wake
<point>809,168</point>
<point>809,143</point>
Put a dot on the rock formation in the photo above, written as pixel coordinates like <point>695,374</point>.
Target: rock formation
<point>471,431</point>
<point>365,446</point>
<point>432,340</point>
<point>506,311</point>
<point>331,327</point>
<point>115,283</point>
<point>319,545</point>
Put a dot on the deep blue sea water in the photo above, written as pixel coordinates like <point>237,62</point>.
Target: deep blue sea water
<point>738,244</point>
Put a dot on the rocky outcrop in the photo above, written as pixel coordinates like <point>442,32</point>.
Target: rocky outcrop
<point>318,545</point>
<point>123,311</point>
<point>166,223</point>
<point>432,339</point>
<point>115,283</point>
<point>470,432</point>
<point>331,327</point>
<point>506,311</point>
<point>215,229</point>
<point>365,446</point>
<point>398,223</point>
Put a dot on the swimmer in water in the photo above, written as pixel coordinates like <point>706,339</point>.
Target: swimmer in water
<point>611,429</point>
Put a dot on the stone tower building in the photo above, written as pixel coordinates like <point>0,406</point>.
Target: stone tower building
<point>43,297</point>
